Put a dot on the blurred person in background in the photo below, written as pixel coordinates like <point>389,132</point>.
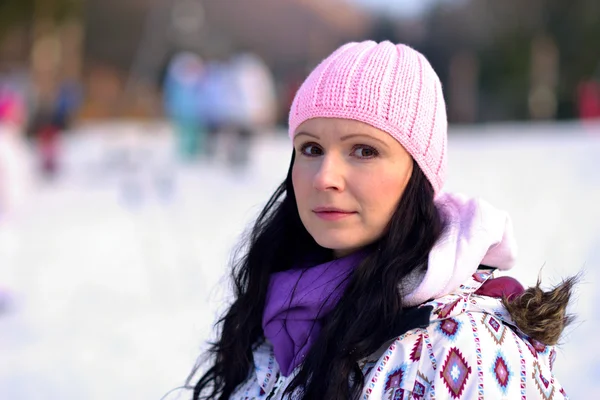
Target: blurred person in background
<point>12,166</point>
<point>12,107</point>
<point>239,93</point>
<point>52,120</point>
<point>224,107</point>
<point>15,173</point>
<point>588,96</point>
<point>68,102</point>
<point>48,142</point>
<point>183,99</point>
<point>362,277</point>
<point>255,104</point>
<point>47,134</point>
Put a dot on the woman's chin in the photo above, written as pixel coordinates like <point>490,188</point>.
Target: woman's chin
<point>340,248</point>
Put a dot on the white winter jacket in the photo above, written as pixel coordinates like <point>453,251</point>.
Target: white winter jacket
<point>467,347</point>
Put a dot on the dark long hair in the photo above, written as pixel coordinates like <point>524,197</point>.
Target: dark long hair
<point>360,323</point>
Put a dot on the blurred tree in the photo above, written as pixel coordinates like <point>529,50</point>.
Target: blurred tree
<point>505,37</point>
<point>575,25</point>
<point>51,31</point>
<point>14,13</point>
<point>383,29</point>
<point>24,12</point>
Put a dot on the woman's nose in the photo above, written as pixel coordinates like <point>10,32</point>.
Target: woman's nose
<point>330,175</point>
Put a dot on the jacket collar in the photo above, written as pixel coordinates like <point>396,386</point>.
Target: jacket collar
<point>482,292</point>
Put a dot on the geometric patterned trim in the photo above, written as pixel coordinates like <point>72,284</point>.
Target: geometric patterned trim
<point>501,372</point>
<point>384,360</point>
<point>394,381</point>
<point>539,347</point>
<point>422,384</point>
<point>495,328</point>
<point>447,309</point>
<point>481,277</point>
<point>368,367</point>
<point>479,356</point>
<point>455,373</point>
<point>269,378</point>
<point>544,386</point>
<point>449,327</point>
<point>530,348</point>
<point>429,346</point>
<point>427,342</point>
<point>523,374</point>
<point>552,358</point>
<point>475,282</point>
<point>415,354</point>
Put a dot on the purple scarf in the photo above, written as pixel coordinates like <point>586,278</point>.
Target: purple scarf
<point>297,300</point>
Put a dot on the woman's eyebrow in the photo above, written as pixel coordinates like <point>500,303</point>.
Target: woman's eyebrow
<point>307,134</point>
<point>353,135</point>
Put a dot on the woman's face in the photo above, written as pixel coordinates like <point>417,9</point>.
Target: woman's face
<point>348,178</point>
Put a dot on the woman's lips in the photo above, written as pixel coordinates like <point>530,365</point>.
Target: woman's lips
<point>332,214</point>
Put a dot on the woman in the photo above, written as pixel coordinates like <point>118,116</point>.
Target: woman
<point>362,279</point>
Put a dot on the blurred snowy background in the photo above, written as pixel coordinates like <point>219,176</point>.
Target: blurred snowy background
<point>115,275</point>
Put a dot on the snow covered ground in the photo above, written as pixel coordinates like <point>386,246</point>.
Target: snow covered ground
<point>116,276</point>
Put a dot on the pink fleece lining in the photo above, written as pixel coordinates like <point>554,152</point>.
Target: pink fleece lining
<point>475,234</point>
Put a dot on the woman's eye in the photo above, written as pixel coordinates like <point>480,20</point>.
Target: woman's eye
<point>364,152</point>
<point>311,150</point>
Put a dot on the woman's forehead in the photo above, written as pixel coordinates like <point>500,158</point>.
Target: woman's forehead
<point>338,127</point>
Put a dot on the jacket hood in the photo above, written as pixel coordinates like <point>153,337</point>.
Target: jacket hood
<point>475,233</point>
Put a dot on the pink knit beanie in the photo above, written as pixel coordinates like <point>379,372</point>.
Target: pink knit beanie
<point>391,87</point>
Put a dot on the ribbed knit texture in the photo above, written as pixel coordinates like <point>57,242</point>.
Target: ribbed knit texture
<point>391,87</point>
